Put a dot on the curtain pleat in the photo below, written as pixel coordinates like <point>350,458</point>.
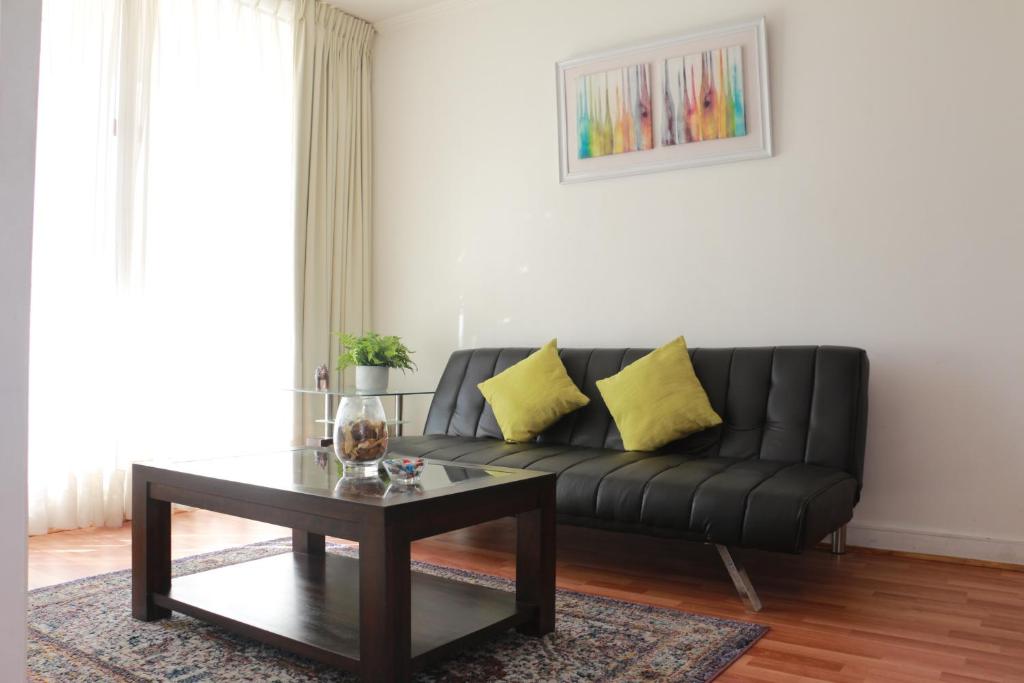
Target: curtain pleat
<point>333,197</point>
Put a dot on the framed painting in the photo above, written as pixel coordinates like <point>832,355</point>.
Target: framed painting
<point>691,100</point>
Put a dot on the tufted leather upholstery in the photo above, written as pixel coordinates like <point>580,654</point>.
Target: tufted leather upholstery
<point>782,471</point>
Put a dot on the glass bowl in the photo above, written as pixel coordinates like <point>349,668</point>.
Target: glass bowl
<point>404,470</point>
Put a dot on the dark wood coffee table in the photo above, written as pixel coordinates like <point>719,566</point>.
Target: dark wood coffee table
<point>369,615</point>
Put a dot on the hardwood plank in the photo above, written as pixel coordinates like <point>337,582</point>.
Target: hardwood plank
<point>878,617</point>
<point>68,555</point>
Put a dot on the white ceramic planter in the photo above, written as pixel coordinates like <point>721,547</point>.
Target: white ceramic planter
<point>371,379</point>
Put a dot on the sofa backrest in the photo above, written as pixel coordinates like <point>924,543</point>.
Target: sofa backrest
<point>786,403</point>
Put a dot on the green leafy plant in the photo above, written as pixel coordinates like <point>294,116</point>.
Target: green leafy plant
<point>374,349</point>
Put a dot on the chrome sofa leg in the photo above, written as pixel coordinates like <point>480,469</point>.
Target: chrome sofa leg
<point>839,541</point>
<point>740,579</point>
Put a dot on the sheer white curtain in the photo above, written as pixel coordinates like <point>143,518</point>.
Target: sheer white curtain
<point>163,268</point>
<point>74,269</point>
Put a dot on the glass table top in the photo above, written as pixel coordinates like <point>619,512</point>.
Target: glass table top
<point>317,472</point>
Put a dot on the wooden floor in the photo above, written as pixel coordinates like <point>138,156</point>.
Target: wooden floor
<point>853,618</point>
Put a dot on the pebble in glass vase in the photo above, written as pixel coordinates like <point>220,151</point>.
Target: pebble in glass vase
<point>360,435</point>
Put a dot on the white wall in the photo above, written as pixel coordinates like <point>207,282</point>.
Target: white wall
<point>890,218</point>
<point>19,72</point>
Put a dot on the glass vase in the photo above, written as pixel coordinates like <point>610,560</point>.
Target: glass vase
<point>360,435</point>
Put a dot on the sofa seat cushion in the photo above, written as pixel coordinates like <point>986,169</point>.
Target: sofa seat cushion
<point>750,503</point>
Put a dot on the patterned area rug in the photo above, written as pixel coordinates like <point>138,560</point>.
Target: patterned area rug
<point>83,631</point>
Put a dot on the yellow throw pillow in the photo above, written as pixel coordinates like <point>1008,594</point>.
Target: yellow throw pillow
<point>658,399</point>
<point>532,395</point>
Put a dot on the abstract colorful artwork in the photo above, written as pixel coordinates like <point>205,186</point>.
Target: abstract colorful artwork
<point>613,112</point>
<point>703,97</point>
<point>641,108</point>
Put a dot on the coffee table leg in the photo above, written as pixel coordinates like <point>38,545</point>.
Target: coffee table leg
<point>535,564</point>
<point>151,552</point>
<point>384,607</point>
<point>306,542</point>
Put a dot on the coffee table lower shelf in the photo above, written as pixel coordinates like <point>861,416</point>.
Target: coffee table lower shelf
<point>309,605</point>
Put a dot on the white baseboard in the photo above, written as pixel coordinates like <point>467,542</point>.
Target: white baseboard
<point>936,543</point>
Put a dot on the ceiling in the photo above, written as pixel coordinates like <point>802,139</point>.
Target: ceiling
<point>378,10</point>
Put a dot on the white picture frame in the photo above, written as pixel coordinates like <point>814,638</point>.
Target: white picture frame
<point>619,68</point>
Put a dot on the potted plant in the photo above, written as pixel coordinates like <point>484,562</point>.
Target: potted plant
<point>373,355</point>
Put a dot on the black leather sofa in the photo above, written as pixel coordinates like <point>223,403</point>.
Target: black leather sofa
<point>783,471</point>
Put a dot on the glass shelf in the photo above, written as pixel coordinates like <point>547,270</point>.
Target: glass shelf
<point>353,392</point>
<point>329,396</point>
<point>389,423</point>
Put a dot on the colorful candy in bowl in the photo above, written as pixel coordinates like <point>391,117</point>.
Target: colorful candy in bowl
<point>404,470</point>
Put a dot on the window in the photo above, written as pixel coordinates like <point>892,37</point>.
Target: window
<point>163,268</point>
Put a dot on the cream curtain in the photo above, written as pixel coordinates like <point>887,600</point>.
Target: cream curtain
<point>333,190</point>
